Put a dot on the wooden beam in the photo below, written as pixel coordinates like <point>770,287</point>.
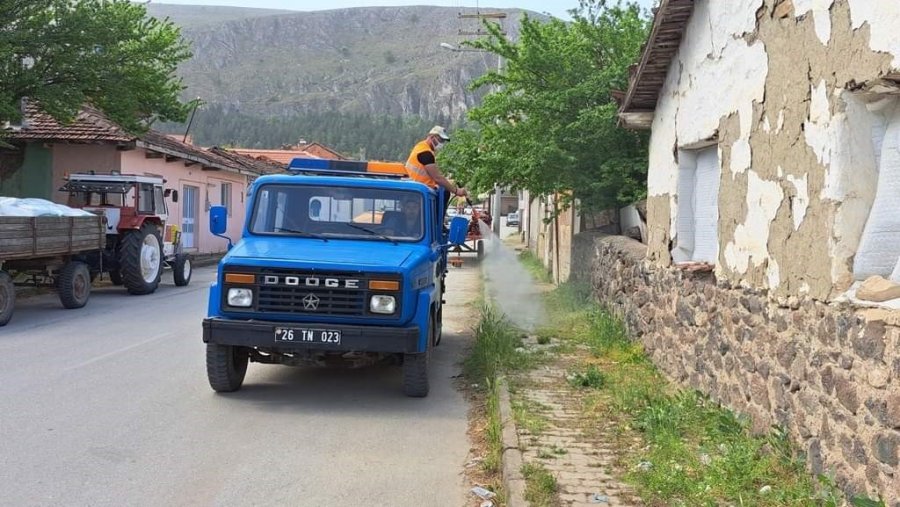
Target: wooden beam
<point>188,163</point>
<point>210,168</point>
<point>153,154</point>
<point>170,158</point>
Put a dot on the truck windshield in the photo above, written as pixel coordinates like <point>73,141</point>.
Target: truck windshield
<point>370,213</point>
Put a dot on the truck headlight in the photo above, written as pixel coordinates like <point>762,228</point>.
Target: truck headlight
<point>383,304</point>
<point>241,298</point>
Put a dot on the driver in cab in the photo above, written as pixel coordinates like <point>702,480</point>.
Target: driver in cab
<point>409,223</point>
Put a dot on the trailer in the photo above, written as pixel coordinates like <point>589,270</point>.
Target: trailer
<point>474,242</point>
<point>48,251</point>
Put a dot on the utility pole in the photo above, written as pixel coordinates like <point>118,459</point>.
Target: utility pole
<point>496,201</point>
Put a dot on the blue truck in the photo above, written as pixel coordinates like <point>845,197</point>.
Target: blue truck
<point>338,261</point>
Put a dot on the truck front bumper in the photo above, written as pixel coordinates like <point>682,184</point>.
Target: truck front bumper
<point>261,334</point>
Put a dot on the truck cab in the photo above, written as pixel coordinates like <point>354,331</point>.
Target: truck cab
<point>333,265</point>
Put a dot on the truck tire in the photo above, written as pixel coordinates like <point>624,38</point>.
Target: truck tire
<point>7,298</point>
<point>74,284</point>
<point>439,327</point>
<point>115,277</point>
<point>182,269</point>
<point>226,366</point>
<point>140,260</point>
<point>415,369</point>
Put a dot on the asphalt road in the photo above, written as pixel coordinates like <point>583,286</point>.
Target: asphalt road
<point>109,405</point>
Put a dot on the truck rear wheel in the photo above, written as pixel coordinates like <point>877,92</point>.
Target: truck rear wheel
<point>7,298</point>
<point>74,285</point>
<point>415,368</point>
<point>226,366</point>
<point>140,260</point>
<point>182,269</point>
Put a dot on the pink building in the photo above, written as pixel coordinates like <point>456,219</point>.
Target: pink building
<point>47,151</point>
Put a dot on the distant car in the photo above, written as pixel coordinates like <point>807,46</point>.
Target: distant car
<point>512,218</point>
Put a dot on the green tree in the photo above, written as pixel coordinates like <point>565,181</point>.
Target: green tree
<point>551,125</point>
<point>107,53</point>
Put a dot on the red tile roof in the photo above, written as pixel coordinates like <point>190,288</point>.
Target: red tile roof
<point>262,166</point>
<point>89,125</point>
<point>284,156</point>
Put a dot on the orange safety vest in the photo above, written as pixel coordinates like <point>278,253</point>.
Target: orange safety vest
<point>415,169</point>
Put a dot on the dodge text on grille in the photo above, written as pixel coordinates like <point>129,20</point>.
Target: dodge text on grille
<point>310,281</point>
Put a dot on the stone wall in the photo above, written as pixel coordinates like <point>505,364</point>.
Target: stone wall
<point>829,374</point>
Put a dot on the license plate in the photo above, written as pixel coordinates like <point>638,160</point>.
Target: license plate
<point>307,335</point>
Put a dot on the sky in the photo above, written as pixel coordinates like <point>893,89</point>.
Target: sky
<point>556,8</point>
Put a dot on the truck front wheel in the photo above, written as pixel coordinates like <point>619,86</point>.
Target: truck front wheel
<point>415,368</point>
<point>226,366</point>
<point>7,298</point>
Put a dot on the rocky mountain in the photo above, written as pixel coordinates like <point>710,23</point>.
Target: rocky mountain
<point>371,61</point>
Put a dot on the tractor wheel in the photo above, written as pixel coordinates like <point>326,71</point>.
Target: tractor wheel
<point>115,277</point>
<point>7,298</point>
<point>182,269</point>
<point>415,368</point>
<point>74,285</point>
<point>140,260</point>
<point>226,366</point>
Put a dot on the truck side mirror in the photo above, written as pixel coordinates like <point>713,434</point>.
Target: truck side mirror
<point>459,228</point>
<point>218,220</point>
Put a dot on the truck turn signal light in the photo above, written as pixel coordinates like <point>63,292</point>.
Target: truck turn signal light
<point>239,278</point>
<point>384,285</point>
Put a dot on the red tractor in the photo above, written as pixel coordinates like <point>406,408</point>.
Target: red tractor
<point>138,243</point>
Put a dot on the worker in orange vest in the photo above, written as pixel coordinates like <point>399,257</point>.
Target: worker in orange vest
<point>422,166</point>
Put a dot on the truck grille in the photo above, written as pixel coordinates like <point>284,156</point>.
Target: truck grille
<point>299,298</point>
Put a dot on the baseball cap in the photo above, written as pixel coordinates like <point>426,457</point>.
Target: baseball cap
<point>439,131</point>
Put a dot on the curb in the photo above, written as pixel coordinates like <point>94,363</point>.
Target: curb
<point>513,481</point>
<point>204,260</point>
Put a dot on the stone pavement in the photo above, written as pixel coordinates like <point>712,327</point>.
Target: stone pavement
<point>576,450</point>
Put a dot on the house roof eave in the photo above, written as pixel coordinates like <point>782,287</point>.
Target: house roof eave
<point>669,23</point>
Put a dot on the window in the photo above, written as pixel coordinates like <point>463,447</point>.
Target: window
<point>160,202</point>
<point>697,238</point>
<point>145,198</point>
<point>359,213</point>
<point>225,198</point>
<point>880,242</point>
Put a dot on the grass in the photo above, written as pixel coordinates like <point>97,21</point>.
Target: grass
<point>528,416</point>
<point>694,451</point>
<point>540,486</point>
<point>493,431</point>
<point>591,377</point>
<point>497,349</point>
<point>535,266</point>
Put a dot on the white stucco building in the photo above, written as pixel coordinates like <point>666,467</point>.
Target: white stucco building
<point>775,152</point>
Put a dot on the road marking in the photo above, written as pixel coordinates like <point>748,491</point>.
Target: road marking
<point>119,351</point>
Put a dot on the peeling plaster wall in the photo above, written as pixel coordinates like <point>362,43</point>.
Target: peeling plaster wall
<point>779,94</point>
<point>883,17</point>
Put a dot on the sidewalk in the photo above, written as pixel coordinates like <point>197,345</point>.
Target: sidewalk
<point>577,450</point>
<point>554,429</point>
